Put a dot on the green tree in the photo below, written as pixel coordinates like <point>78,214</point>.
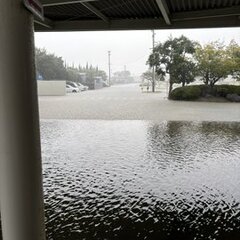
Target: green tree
<point>233,51</point>
<point>49,65</point>
<point>73,74</point>
<point>184,71</point>
<point>213,62</point>
<point>167,56</point>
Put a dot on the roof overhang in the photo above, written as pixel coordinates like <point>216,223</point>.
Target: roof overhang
<point>100,15</point>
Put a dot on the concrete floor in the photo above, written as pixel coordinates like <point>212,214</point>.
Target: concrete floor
<point>127,102</point>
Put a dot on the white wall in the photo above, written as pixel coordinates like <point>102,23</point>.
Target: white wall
<point>51,88</point>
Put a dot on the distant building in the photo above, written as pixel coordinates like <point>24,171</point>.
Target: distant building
<point>92,82</point>
<point>122,77</point>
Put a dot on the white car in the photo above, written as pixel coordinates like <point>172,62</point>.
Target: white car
<point>71,89</point>
<point>82,87</point>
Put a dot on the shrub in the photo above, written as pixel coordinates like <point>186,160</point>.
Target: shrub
<point>186,93</point>
<point>194,92</point>
<point>224,90</point>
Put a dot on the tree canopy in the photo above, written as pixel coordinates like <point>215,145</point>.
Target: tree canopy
<point>51,67</point>
<point>214,62</point>
<point>171,56</point>
<point>184,71</point>
<point>233,51</point>
<point>184,59</point>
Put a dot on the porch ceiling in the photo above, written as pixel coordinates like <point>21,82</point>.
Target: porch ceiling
<point>90,15</point>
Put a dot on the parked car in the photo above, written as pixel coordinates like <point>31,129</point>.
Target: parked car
<point>71,89</point>
<point>73,84</point>
<point>82,87</point>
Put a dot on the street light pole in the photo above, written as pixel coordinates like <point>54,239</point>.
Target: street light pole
<point>109,68</point>
<point>153,69</point>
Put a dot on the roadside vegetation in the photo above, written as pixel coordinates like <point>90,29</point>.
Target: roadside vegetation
<point>182,60</point>
<point>195,92</point>
<point>51,67</point>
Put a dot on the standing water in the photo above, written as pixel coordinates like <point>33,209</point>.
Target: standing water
<point>141,180</point>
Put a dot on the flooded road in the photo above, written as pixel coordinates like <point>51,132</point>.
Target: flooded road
<point>141,179</point>
<point>127,102</point>
<point>134,165</point>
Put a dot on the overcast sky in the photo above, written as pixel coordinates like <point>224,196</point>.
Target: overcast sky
<point>130,48</point>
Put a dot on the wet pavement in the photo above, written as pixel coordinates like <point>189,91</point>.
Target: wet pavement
<point>127,102</point>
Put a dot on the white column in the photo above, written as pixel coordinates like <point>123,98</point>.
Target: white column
<point>21,195</point>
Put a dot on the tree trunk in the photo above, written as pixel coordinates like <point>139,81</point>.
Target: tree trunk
<point>183,84</point>
<point>153,79</point>
<point>170,87</point>
<point>207,80</point>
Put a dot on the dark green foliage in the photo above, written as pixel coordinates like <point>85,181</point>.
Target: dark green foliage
<point>233,50</point>
<point>223,90</point>
<point>184,59</point>
<point>184,71</point>
<point>50,66</point>
<point>174,57</point>
<point>194,92</point>
<point>186,93</point>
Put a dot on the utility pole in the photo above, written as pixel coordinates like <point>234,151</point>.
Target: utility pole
<point>109,68</point>
<point>153,68</point>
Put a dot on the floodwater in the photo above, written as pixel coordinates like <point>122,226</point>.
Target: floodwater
<point>141,180</point>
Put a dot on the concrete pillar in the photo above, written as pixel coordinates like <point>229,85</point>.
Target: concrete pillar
<point>21,195</point>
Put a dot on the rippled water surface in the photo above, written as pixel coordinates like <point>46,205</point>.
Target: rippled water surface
<point>141,180</point>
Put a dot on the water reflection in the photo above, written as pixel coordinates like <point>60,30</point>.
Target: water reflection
<point>141,180</point>
<point>199,164</point>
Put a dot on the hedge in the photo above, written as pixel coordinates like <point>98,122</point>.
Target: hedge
<point>188,93</point>
<point>223,90</point>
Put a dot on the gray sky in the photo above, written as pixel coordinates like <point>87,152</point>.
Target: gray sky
<point>130,48</point>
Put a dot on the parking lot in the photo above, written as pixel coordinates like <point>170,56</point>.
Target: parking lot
<point>128,102</point>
